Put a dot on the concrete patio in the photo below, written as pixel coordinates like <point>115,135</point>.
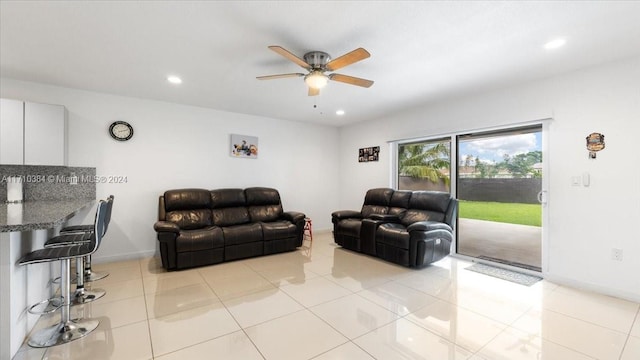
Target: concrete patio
<point>509,242</point>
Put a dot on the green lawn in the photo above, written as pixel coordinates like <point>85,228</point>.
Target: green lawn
<point>513,213</point>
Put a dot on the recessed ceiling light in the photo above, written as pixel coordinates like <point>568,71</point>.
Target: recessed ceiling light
<point>554,44</point>
<point>340,112</point>
<point>174,79</point>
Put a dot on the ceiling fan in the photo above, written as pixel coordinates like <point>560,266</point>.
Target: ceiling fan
<point>319,62</point>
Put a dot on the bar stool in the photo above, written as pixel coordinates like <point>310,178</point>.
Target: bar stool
<point>308,228</point>
<point>81,294</point>
<point>67,329</point>
<point>89,275</point>
<point>83,234</point>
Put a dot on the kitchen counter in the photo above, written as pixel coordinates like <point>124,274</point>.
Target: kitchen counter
<point>35,215</point>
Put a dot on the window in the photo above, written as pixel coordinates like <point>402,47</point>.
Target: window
<point>425,165</point>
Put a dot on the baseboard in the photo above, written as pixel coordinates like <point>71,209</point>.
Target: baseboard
<point>561,280</point>
<point>123,257</point>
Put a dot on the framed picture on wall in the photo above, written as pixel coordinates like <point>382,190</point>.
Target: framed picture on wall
<point>368,154</point>
<point>244,146</point>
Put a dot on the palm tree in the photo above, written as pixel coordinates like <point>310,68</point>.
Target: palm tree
<point>425,161</point>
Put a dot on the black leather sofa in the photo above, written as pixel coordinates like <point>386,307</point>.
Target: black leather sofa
<point>199,227</point>
<point>410,228</point>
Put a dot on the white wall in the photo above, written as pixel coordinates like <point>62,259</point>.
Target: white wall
<point>585,222</point>
<point>177,146</point>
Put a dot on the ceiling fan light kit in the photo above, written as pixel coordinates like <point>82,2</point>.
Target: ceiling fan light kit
<point>316,79</point>
<point>319,62</point>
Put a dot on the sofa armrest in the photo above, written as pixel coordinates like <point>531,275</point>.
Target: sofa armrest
<point>428,226</point>
<point>166,226</point>
<point>345,214</point>
<point>385,218</point>
<point>293,216</point>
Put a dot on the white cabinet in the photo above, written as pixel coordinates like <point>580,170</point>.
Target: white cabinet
<point>11,132</point>
<point>44,134</point>
<point>32,133</point>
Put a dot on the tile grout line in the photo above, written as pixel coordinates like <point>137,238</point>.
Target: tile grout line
<point>144,295</point>
<point>626,341</point>
<point>234,319</point>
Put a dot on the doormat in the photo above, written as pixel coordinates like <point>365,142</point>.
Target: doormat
<point>504,274</point>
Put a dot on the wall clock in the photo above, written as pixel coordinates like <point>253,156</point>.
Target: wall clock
<point>121,130</point>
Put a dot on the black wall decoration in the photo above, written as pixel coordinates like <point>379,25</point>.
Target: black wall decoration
<point>368,154</point>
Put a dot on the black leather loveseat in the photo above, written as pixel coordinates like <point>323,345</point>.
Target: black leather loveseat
<point>410,228</point>
<point>201,227</point>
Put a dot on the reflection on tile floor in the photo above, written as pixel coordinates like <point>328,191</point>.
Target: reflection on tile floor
<point>324,302</point>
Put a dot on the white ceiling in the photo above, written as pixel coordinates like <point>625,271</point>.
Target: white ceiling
<point>420,51</point>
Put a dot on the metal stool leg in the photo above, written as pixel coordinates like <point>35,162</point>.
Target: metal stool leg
<point>67,330</point>
<point>89,275</point>
<point>83,295</point>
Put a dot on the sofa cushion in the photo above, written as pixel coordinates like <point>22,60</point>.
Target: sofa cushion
<point>265,213</point>
<point>187,199</point>
<point>188,208</point>
<point>225,198</point>
<point>416,215</point>
<point>262,196</point>
<point>241,234</point>
<point>426,206</point>
<point>230,216</point>
<point>201,239</point>
<point>190,219</point>
<point>264,204</point>
<point>276,230</point>
<point>399,202</point>
<point>393,234</point>
<point>430,200</point>
<point>376,201</point>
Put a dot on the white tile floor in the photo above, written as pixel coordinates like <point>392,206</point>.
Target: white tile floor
<point>325,302</point>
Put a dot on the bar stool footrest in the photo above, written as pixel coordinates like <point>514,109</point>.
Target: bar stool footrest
<point>95,276</point>
<point>87,296</point>
<point>48,306</point>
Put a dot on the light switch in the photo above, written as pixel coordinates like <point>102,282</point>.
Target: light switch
<point>576,181</point>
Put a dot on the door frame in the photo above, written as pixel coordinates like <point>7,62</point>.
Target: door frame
<point>545,241</point>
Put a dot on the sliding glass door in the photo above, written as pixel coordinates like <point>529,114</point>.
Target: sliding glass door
<point>499,185</point>
<point>497,178</point>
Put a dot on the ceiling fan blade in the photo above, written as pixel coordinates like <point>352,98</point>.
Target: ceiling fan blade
<point>279,76</point>
<point>284,52</point>
<point>347,59</point>
<point>314,91</point>
<point>351,80</point>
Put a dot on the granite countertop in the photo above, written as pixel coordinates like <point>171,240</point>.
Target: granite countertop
<point>35,215</point>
